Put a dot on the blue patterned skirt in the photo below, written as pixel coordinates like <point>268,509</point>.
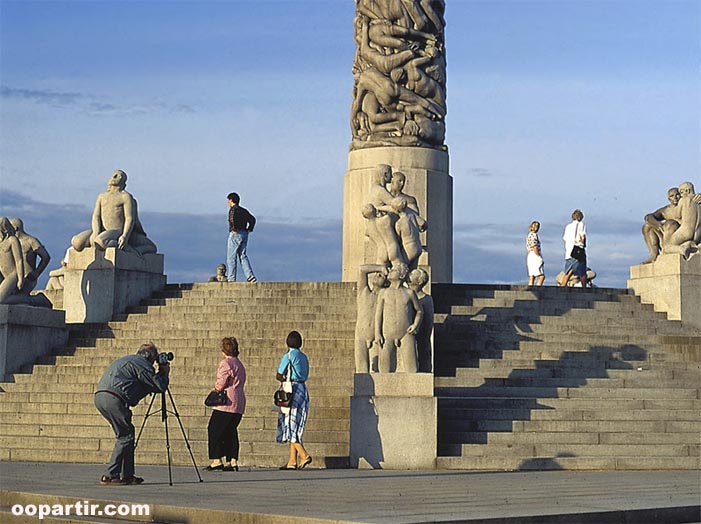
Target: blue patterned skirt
<point>290,426</point>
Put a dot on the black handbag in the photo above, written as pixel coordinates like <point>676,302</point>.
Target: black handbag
<point>578,253</point>
<point>282,398</point>
<point>216,398</point>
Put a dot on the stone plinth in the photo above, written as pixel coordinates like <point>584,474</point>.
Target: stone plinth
<point>27,333</point>
<point>394,421</point>
<point>427,179</point>
<point>100,284</point>
<point>673,285</point>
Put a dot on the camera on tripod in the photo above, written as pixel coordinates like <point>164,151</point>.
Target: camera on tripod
<point>164,358</point>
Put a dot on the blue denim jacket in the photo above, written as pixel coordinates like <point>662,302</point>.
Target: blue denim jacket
<point>132,378</point>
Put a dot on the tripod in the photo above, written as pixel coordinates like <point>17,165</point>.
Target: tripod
<point>164,417</point>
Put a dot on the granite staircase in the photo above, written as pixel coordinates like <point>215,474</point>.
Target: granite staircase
<point>544,378</point>
<point>552,378</point>
<point>49,415</point>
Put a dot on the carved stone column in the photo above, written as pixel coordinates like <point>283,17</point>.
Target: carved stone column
<point>398,118</point>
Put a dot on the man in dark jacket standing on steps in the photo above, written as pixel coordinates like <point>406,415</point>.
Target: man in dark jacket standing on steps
<point>241,223</point>
<point>125,382</point>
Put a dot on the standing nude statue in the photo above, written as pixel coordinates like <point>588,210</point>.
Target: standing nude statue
<point>31,249</point>
<point>384,217</point>
<point>397,319</point>
<point>380,230</point>
<point>418,278</point>
<point>115,221</point>
<point>660,224</point>
<point>11,262</point>
<point>366,301</point>
<point>408,231</point>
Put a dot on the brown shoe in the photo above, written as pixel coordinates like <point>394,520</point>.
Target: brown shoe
<point>111,481</point>
<point>133,480</point>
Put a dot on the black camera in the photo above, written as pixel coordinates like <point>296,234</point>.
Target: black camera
<point>164,358</point>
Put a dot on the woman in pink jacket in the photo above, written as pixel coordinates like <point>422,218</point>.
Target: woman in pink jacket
<point>222,430</point>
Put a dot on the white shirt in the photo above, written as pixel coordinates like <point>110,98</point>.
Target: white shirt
<point>574,235</point>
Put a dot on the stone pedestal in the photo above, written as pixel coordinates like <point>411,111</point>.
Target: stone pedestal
<point>673,285</point>
<point>427,179</point>
<point>100,284</point>
<point>27,333</point>
<point>394,421</point>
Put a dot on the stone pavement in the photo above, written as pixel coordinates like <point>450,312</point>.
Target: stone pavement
<point>267,496</point>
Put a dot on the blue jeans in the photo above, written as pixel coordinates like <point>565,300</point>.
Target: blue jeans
<point>118,415</point>
<point>236,251</point>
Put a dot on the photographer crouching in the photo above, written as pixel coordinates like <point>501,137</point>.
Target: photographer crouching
<point>125,382</point>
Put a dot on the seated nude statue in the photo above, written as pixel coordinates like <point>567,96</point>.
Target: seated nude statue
<point>397,319</point>
<point>661,223</point>
<point>686,238</point>
<point>115,221</point>
<point>31,249</point>
<point>11,262</point>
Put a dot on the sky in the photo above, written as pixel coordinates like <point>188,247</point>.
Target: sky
<point>553,105</point>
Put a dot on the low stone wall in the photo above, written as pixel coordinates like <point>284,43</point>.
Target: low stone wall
<point>26,333</point>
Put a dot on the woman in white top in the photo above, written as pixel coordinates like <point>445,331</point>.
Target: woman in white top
<point>534,259</point>
<point>575,237</point>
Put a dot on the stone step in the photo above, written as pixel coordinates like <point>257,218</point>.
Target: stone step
<point>566,382</point>
<point>607,426</point>
<point>197,372</point>
<point>554,404</point>
<point>561,437</point>
<point>544,392</point>
<point>481,420</point>
<point>625,463</point>
<point>251,424</point>
<point>231,322</point>
<point>535,311</point>
<point>211,341</point>
<point>324,456</point>
<point>677,375</point>
<point>581,450</point>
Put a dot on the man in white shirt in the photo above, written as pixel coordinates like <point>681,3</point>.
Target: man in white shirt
<point>575,238</point>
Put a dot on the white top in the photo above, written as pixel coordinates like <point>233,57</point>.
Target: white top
<point>575,235</point>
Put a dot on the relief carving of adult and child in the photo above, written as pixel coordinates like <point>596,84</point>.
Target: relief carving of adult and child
<point>395,316</point>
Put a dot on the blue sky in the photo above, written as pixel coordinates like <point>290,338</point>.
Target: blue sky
<point>552,106</point>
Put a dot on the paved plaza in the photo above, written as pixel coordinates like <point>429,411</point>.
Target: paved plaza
<point>267,496</point>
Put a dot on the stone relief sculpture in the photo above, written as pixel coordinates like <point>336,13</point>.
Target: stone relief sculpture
<point>418,278</point>
<point>366,301</point>
<point>407,228</point>
<point>393,221</point>
<point>398,316</point>
<point>11,262</point>
<point>32,249</point>
<point>394,225</point>
<point>115,221</point>
<point>661,223</point>
<point>399,71</point>
<point>686,238</point>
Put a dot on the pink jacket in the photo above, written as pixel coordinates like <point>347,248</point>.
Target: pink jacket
<point>232,375</point>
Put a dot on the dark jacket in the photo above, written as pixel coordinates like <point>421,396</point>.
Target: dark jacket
<point>240,219</point>
<point>132,378</point>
